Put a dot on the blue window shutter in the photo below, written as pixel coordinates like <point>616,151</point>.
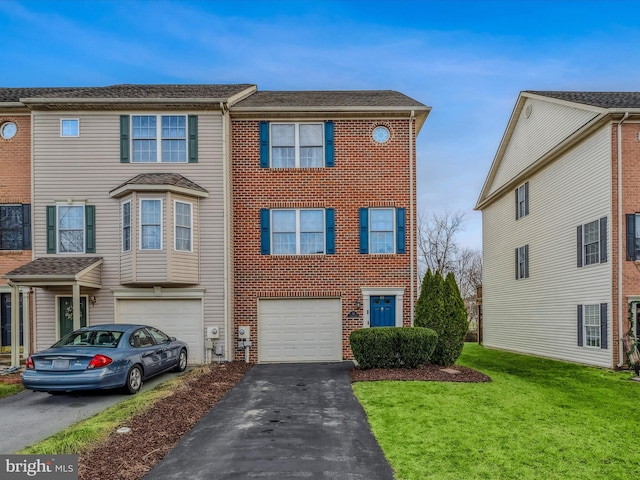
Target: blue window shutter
<point>580,332</point>
<point>193,138</point>
<point>26,227</point>
<point>631,236</point>
<point>265,233</point>
<point>330,220</point>
<point>401,233</point>
<point>604,341</point>
<point>329,151</point>
<point>51,229</point>
<point>603,240</point>
<point>264,144</point>
<point>124,139</point>
<point>579,246</point>
<point>364,230</point>
<point>90,228</point>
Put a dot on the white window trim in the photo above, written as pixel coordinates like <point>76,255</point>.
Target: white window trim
<point>159,135</point>
<point>584,244</point>
<point>175,226</point>
<point>140,225</point>
<point>62,120</point>
<point>122,204</point>
<point>367,293</point>
<point>393,230</point>
<point>584,326</point>
<point>84,227</point>
<point>296,143</point>
<point>298,231</point>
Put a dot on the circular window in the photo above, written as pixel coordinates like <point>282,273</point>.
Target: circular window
<point>381,134</point>
<point>8,130</point>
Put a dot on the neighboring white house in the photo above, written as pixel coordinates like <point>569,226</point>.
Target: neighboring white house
<point>554,220</point>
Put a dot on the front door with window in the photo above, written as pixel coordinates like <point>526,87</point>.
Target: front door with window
<point>5,322</point>
<point>65,314</point>
<point>383,311</point>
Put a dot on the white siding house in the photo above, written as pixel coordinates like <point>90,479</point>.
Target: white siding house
<point>548,246</point>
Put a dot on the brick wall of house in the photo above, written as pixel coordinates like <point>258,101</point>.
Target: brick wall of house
<point>366,174</point>
<point>630,204</point>
<point>15,181</point>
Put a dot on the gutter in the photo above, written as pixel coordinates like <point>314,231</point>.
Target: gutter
<point>620,227</point>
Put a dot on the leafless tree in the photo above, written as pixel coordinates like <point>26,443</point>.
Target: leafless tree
<point>438,250</point>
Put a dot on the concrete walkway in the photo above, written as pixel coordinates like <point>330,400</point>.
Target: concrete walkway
<point>281,421</point>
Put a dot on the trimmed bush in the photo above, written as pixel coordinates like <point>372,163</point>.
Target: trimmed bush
<point>392,347</point>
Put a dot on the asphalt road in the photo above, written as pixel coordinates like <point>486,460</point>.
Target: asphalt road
<point>29,417</point>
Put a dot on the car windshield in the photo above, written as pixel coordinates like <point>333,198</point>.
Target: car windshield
<point>90,338</point>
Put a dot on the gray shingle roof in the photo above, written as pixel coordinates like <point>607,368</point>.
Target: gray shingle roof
<point>49,266</point>
<point>332,98</point>
<point>596,99</point>
<point>174,179</point>
<point>127,91</point>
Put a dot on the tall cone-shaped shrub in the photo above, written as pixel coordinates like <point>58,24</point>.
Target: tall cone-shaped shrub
<point>423,313</point>
<point>456,324</point>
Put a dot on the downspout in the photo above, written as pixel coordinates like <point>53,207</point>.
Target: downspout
<point>620,229</point>
<point>412,216</point>
<point>226,169</point>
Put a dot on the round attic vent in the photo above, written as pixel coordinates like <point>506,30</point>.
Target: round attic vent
<point>527,111</point>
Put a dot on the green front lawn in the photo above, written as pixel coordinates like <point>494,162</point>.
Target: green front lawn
<point>7,389</point>
<point>537,419</point>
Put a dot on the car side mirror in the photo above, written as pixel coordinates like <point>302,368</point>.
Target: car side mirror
<point>173,339</point>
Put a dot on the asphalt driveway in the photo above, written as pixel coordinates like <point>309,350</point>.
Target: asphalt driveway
<point>281,421</point>
<point>29,417</point>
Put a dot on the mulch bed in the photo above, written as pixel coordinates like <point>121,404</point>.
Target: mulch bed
<point>156,431</point>
<point>424,373</point>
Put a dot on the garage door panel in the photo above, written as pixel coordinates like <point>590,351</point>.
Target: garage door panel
<point>177,318</point>
<point>293,330</point>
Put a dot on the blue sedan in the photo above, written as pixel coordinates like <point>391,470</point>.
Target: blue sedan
<point>104,356</point>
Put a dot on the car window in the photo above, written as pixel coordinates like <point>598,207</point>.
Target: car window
<point>90,338</point>
<point>158,336</point>
<point>140,338</point>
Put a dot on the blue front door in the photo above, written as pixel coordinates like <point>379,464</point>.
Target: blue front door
<point>382,311</point>
<point>5,322</point>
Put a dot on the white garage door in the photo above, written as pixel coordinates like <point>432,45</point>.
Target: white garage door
<point>177,318</point>
<point>300,330</point>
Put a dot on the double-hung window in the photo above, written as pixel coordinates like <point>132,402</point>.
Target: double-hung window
<point>522,200</point>
<point>592,325</point>
<point>522,262</point>
<point>151,224</point>
<point>303,231</point>
<point>126,226</point>
<point>296,145</point>
<point>71,228</point>
<point>15,227</point>
<point>382,230</point>
<point>183,226</point>
<point>592,242</point>
<point>159,138</point>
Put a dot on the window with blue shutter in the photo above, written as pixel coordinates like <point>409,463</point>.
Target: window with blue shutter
<point>592,243</point>
<point>382,230</point>
<point>593,326</point>
<point>296,145</point>
<point>297,231</point>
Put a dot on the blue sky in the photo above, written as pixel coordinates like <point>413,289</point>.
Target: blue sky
<point>466,59</point>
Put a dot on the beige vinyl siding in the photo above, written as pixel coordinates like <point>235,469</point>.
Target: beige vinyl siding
<point>548,125</point>
<point>88,167</point>
<point>538,315</point>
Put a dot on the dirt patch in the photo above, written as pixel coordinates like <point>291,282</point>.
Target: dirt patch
<point>425,373</point>
<point>10,378</point>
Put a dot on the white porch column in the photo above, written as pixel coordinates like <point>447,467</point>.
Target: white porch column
<point>26,324</point>
<point>77,314</point>
<point>15,326</point>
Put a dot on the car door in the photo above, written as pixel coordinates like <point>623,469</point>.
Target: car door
<point>149,353</point>
<point>166,350</point>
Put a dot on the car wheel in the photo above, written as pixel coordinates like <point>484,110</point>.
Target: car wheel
<point>134,380</point>
<point>182,361</point>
